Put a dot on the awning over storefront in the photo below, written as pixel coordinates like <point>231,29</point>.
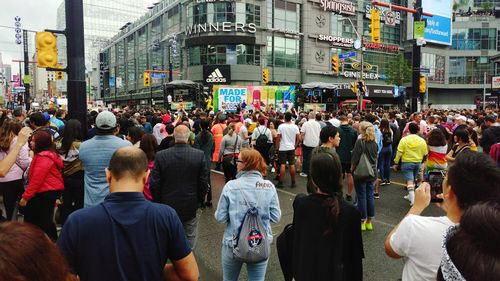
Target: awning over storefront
<point>321,85</point>
<point>186,84</point>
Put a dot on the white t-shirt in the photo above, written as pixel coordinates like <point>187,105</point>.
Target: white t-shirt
<point>419,239</point>
<point>335,122</point>
<point>311,130</point>
<point>243,130</point>
<point>288,133</point>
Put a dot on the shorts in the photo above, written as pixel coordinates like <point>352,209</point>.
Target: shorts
<point>286,156</point>
<point>410,170</point>
<point>346,168</point>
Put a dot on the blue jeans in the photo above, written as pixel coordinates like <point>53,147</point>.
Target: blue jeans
<point>306,158</point>
<point>366,203</point>
<point>410,170</point>
<point>384,162</point>
<point>231,267</point>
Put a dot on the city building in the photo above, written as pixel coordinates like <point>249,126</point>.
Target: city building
<point>102,19</point>
<point>233,42</point>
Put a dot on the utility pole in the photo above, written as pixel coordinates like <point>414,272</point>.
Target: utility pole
<point>26,71</point>
<point>484,91</point>
<point>77,101</point>
<point>416,58</point>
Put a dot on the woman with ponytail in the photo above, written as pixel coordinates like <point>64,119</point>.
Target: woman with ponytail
<point>327,238</point>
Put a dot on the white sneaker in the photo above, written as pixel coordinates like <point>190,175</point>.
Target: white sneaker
<point>273,170</point>
<point>410,197</point>
<point>303,175</point>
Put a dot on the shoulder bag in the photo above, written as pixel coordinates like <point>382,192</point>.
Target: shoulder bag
<point>364,169</point>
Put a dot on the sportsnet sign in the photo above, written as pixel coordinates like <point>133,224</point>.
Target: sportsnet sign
<point>217,74</point>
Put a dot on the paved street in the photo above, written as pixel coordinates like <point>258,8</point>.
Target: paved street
<point>389,209</point>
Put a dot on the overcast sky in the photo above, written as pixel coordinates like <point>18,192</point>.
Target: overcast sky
<point>35,15</point>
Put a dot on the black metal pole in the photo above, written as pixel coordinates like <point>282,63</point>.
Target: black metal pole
<point>416,57</point>
<point>77,102</point>
<point>26,70</point>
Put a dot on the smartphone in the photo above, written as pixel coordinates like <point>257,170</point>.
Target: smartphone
<point>436,182</point>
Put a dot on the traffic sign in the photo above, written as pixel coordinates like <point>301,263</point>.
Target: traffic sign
<point>425,70</point>
<point>158,75</point>
<point>390,18</point>
<point>17,18</point>
<point>346,56</point>
<point>418,29</point>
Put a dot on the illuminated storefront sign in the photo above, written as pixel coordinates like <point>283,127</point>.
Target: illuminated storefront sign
<point>338,6</point>
<point>337,41</point>
<point>221,26</point>
<point>355,74</point>
<point>382,47</point>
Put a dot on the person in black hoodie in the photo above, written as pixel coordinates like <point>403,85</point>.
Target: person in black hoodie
<point>491,135</point>
<point>327,237</point>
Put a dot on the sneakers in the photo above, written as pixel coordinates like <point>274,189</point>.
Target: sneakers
<point>369,226</point>
<point>348,197</point>
<point>302,174</point>
<point>376,195</point>
<point>366,226</point>
<point>409,198</point>
<point>385,182</point>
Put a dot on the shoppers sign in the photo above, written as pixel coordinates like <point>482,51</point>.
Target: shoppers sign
<point>385,14</point>
<point>337,41</point>
<point>495,82</point>
<point>217,74</point>
<point>221,26</point>
<point>338,6</point>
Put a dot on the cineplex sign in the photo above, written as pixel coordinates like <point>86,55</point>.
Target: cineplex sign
<point>343,42</point>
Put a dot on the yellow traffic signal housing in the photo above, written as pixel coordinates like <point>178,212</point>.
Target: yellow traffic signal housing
<point>375,26</point>
<point>422,85</point>
<point>354,87</point>
<point>147,79</point>
<point>46,49</point>
<point>335,64</point>
<point>59,75</point>
<point>265,75</point>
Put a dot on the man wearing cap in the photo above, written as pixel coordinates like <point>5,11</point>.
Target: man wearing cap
<point>244,133</point>
<point>41,121</point>
<point>95,154</point>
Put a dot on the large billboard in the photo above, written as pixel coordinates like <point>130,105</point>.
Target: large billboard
<point>438,29</point>
<point>228,98</point>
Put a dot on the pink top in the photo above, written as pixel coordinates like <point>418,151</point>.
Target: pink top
<point>22,162</point>
<point>147,192</point>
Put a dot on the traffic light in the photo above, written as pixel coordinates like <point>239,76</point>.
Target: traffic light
<point>422,87</point>
<point>375,26</point>
<point>147,79</point>
<point>46,49</point>
<point>354,87</point>
<point>59,75</point>
<point>362,86</point>
<point>335,64</point>
<point>265,75</point>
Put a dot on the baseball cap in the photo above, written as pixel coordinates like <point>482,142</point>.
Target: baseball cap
<point>460,117</point>
<point>248,121</point>
<point>105,121</point>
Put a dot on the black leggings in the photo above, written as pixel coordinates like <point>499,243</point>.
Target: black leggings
<point>228,168</point>
<point>11,192</point>
<point>72,195</point>
<point>40,212</point>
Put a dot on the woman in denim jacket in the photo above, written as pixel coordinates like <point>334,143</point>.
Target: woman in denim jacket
<point>250,186</point>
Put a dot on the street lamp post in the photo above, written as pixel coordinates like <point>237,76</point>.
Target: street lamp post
<point>359,94</point>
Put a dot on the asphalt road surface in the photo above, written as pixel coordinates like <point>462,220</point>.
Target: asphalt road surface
<point>389,210</point>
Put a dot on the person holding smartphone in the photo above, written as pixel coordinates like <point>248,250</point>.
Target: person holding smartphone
<point>473,178</point>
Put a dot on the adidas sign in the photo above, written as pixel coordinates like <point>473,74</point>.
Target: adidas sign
<point>216,77</point>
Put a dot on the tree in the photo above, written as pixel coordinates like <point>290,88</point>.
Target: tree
<point>487,6</point>
<point>399,71</point>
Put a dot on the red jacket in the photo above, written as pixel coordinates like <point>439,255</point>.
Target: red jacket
<point>44,174</point>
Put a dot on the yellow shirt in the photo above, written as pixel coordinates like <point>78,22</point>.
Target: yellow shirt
<point>411,148</point>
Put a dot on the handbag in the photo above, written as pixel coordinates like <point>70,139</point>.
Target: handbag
<point>284,245</point>
<point>364,170</point>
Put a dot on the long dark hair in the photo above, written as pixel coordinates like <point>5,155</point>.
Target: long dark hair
<point>326,175</point>
<point>384,126</point>
<point>72,132</point>
<point>204,124</point>
<point>149,145</point>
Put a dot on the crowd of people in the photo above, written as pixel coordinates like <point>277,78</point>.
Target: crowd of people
<point>140,176</point>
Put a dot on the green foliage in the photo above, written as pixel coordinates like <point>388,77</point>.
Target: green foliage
<point>399,71</point>
<point>487,6</point>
